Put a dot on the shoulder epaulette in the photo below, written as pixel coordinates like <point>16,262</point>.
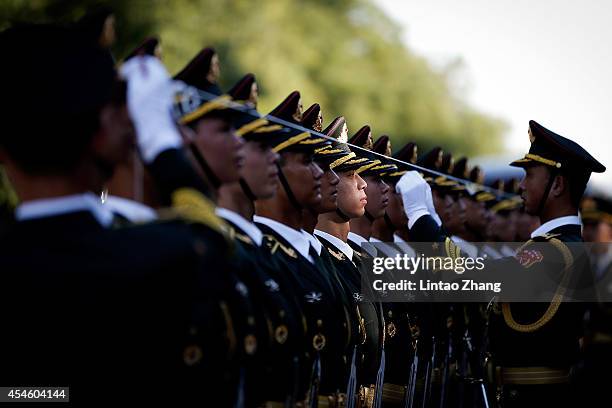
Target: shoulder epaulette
<point>244,238</point>
<point>451,249</point>
<point>193,206</point>
<point>338,255</point>
<point>274,245</point>
<point>553,307</point>
<point>233,234</point>
<point>545,237</point>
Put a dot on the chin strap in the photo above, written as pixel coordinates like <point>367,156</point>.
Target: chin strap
<point>212,177</point>
<point>313,212</point>
<point>369,216</point>
<point>553,173</point>
<point>388,222</point>
<point>287,187</point>
<point>246,189</point>
<point>342,215</point>
<point>106,168</point>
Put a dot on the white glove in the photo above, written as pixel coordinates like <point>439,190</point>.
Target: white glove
<point>415,194</point>
<point>149,97</point>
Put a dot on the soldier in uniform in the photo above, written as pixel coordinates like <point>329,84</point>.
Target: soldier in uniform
<point>268,320</point>
<point>275,348</point>
<point>148,46</point>
<point>130,193</point>
<point>325,361</point>
<point>332,230</point>
<point>596,215</point>
<point>246,91</point>
<point>215,147</point>
<point>468,213</point>
<point>534,344</point>
<point>88,302</point>
<point>454,213</point>
<point>503,226</point>
<point>409,325</point>
<point>383,228</point>
<point>377,190</point>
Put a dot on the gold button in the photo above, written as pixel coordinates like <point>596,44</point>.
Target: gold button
<point>318,342</point>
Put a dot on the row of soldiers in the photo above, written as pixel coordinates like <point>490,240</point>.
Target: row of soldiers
<point>221,264</point>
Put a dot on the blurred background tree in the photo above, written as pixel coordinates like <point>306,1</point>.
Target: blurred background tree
<point>346,55</point>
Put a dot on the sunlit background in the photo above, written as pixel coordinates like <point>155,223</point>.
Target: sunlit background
<point>466,75</point>
<point>547,60</point>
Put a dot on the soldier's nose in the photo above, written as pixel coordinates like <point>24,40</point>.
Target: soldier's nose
<point>317,172</point>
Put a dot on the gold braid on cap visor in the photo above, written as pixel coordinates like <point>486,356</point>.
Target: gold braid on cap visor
<point>322,151</point>
<point>219,103</point>
<point>385,168</point>
<point>291,141</point>
<point>534,157</point>
<point>366,166</point>
<point>397,173</point>
<point>484,196</point>
<point>251,126</point>
<point>342,160</point>
<point>504,205</point>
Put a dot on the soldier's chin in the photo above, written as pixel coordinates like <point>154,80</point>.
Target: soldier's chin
<point>315,200</point>
<point>529,208</point>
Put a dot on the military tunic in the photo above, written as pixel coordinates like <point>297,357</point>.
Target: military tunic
<point>280,327</point>
<point>368,313</point>
<point>533,339</point>
<point>140,307</point>
<point>326,318</point>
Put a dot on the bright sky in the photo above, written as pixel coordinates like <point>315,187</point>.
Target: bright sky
<point>547,60</point>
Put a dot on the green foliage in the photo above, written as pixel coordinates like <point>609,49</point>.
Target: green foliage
<point>344,54</point>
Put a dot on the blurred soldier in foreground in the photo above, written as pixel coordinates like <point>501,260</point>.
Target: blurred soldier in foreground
<point>113,313</point>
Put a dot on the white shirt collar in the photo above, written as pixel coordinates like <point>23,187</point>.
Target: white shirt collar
<point>247,226</point>
<point>50,207</point>
<point>555,223</point>
<point>313,241</point>
<point>383,247</point>
<point>403,245</point>
<point>491,252</point>
<point>294,237</point>
<point>337,242</point>
<point>465,246</point>
<point>507,250</point>
<point>130,209</point>
<point>356,238</point>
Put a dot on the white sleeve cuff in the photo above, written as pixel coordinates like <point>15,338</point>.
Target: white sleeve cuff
<point>414,217</point>
<point>168,139</point>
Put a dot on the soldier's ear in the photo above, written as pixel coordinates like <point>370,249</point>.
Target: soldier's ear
<point>560,186</point>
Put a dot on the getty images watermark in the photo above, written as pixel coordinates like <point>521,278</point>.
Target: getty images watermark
<point>477,272</point>
<point>432,264</point>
